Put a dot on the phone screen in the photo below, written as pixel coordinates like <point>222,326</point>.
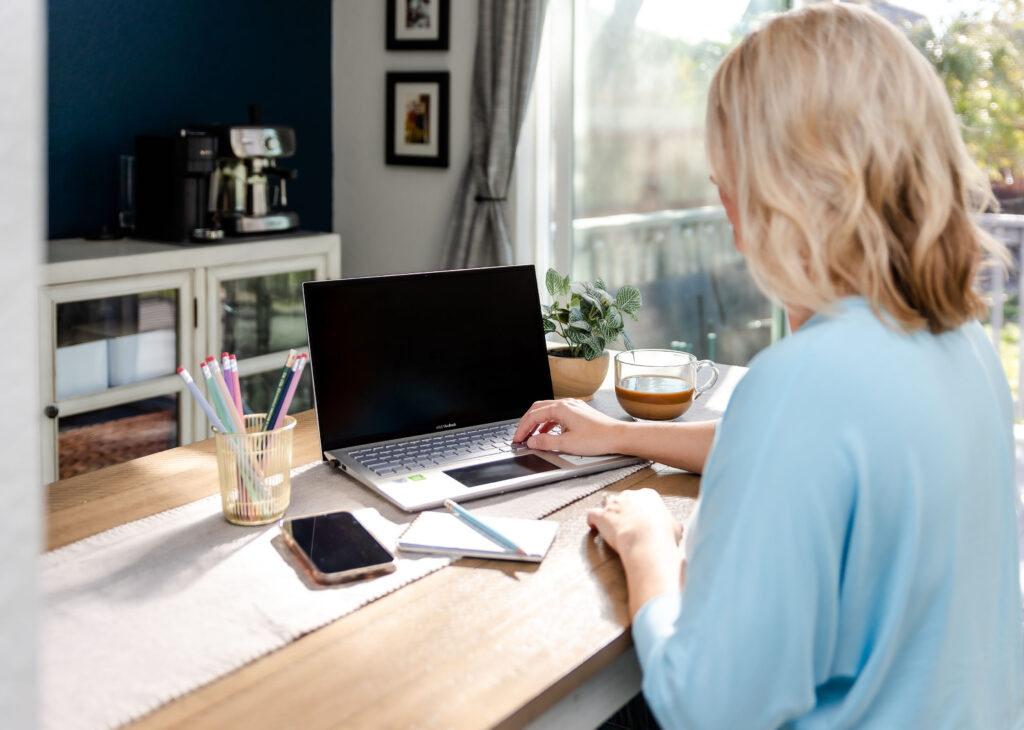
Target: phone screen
<point>336,542</point>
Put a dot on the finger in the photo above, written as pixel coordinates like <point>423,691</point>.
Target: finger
<point>546,427</point>
<point>531,419</point>
<point>544,441</point>
<point>595,518</point>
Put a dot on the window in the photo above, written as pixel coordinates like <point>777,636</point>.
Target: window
<point>612,177</point>
<point>629,200</point>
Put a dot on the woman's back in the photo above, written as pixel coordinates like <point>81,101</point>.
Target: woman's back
<point>856,543</point>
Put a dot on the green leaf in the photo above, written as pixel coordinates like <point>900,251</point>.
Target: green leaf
<point>599,293</point>
<point>577,320</point>
<point>591,351</point>
<point>629,299</point>
<point>582,290</point>
<point>553,282</point>
<point>549,326</point>
<point>562,315</point>
<point>627,341</point>
<point>575,336</point>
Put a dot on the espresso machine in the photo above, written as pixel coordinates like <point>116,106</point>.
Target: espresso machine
<point>208,181</point>
<point>248,189</point>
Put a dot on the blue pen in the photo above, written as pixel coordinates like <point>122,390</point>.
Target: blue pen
<point>483,529</point>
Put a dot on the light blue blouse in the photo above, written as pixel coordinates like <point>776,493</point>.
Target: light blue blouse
<point>854,561</point>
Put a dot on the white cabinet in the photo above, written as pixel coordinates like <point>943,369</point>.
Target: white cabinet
<point>117,318</point>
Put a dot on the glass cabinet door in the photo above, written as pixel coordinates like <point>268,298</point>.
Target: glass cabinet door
<point>109,388</point>
<point>255,312</point>
<point>111,341</point>
<point>263,314</point>
<point>106,436</point>
<point>258,388</point>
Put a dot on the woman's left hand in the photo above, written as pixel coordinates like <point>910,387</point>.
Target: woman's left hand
<point>632,517</point>
<point>638,525</point>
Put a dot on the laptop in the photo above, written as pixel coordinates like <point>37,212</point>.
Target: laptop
<point>419,381</point>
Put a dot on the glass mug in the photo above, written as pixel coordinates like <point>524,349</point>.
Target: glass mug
<point>659,385</point>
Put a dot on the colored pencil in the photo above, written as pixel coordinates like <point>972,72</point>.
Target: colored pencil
<point>225,365</point>
<point>238,386</point>
<point>284,393</point>
<point>194,390</point>
<point>282,382</point>
<point>251,485</point>
<point>229,403</point>
<point>215,398</point>
<point>300,363</point>
<point>485,530</point>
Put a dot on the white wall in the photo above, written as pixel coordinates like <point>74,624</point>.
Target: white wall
<point>22,52</point>
<point>392,219</point>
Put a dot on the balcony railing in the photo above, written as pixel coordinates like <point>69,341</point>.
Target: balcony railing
<point>698,295</point>
<point>1005,292</point>
<point>704,301</point>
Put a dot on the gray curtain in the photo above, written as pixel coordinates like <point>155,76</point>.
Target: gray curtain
<point>506,54</point>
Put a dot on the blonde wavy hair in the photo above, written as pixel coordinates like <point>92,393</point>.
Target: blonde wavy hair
<point>837,141</point>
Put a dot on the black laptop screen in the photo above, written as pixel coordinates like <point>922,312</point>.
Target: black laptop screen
<point>396,356</point>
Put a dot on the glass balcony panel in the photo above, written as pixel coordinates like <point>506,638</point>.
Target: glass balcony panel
<point>263,314</point>
<point>107,436</point>
<point>104,343</point>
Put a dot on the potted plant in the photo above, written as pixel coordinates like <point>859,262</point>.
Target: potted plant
<point>588,317</point>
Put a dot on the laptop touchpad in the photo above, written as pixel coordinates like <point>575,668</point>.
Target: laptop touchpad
<point>499,471</point>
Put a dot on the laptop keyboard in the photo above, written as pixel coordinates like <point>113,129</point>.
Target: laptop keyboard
<point>444,448</point>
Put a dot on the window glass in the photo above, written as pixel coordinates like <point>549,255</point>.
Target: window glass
<point>644,210</point>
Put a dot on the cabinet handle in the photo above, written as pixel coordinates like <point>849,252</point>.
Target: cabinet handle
<point>51,411</point>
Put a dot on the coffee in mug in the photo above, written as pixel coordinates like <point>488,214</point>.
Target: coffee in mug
<point>659,385</point>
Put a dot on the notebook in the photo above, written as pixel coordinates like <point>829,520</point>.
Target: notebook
<point>419,381</point>
<point>443,532</point>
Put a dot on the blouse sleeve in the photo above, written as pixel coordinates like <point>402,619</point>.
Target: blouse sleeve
<point>750,636</point>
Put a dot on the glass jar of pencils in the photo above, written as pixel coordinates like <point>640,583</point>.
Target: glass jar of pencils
<point>255,471</point>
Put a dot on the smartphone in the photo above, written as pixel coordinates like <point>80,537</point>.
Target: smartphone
<point>334,547</point>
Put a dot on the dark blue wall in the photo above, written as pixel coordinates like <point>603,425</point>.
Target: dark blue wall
<point>118,68</point>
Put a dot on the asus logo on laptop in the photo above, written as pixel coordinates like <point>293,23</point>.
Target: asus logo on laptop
<point>443,426</point>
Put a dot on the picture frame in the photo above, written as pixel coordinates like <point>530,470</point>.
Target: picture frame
<point>416,118</point>
<point>418,25</point>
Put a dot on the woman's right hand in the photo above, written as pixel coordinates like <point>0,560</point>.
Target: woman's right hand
<point>584,430</point>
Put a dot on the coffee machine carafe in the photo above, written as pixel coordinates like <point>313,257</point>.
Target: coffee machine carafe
<point>249,191</point>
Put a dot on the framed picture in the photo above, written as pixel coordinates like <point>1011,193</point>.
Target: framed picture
<point>416,130</point>
<point>417,25</point>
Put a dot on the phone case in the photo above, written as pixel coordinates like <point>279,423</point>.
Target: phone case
<point>319,576</point>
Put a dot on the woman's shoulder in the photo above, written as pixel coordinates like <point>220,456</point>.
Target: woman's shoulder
<point>828,343</point>
<point>841,361</point>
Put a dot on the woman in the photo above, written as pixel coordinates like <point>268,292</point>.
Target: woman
<point>854,559</point>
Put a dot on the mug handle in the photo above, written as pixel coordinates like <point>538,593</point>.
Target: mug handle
<point>714,377</point>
